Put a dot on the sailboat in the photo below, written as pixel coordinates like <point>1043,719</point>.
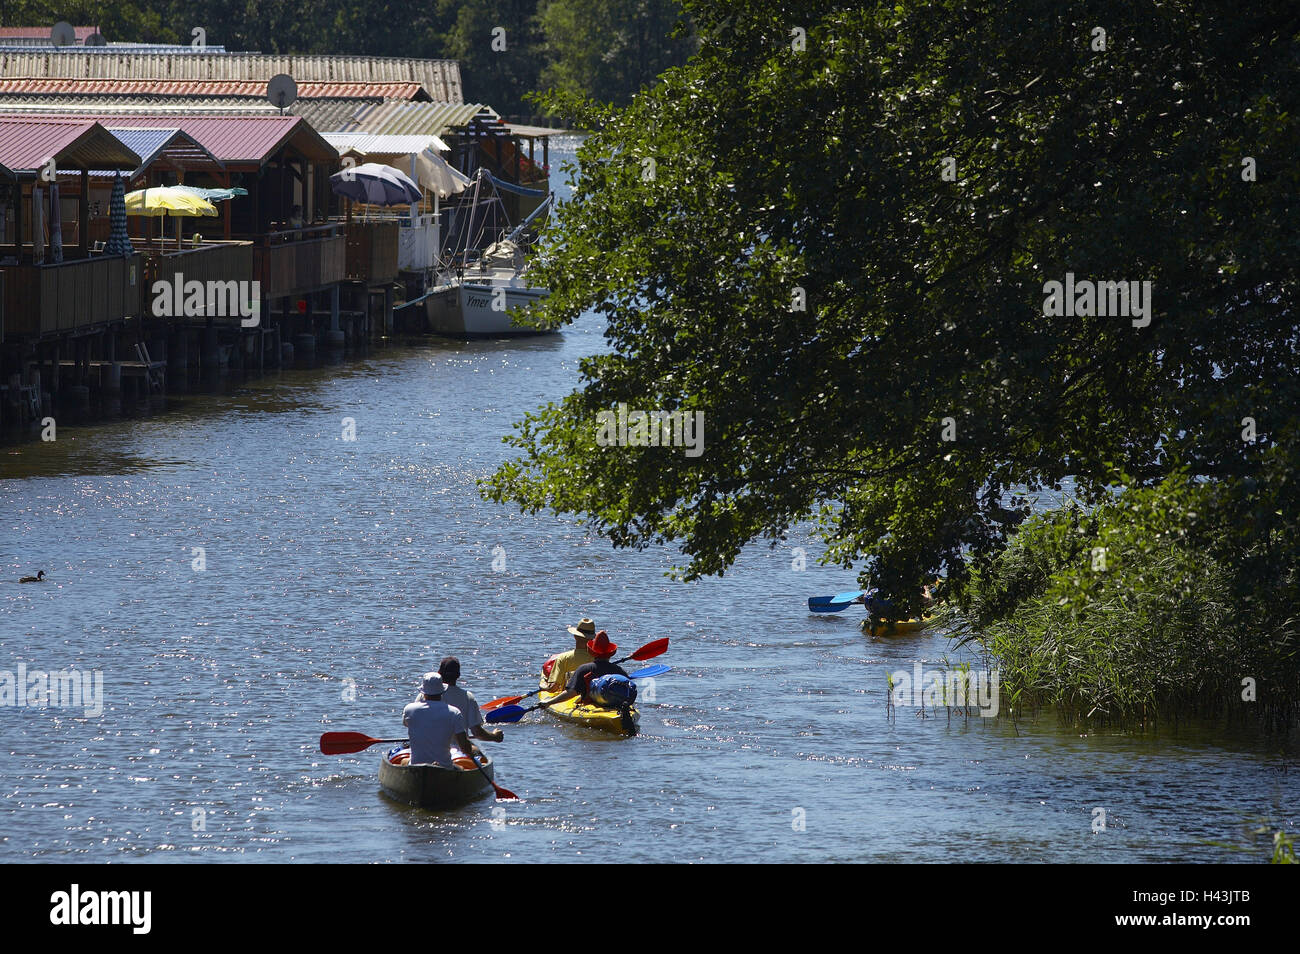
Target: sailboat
<point>477,288</point>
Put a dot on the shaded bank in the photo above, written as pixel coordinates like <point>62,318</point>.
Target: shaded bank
<point>1140,611</point>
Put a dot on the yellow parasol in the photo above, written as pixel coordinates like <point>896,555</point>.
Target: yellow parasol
<point>165,200</point>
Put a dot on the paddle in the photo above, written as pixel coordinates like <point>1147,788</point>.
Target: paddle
<point>341,743</point>
<point>649,672</point>
<point>506,700</point>
<point>509,714</point>
<point>836,603</point>
<point>503,794</point>
<point>826,606</point>
<point>649,651</point>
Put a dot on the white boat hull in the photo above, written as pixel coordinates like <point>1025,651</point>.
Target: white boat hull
<point>467,309</point>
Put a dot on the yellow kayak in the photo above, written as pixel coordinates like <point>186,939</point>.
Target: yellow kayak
<point>902,627</point>
<point>593,717</point>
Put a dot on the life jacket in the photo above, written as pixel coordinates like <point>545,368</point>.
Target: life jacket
<point>614,691</point>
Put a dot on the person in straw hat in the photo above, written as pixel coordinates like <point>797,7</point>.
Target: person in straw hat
<point>602,664</point>
<point>557,669</point>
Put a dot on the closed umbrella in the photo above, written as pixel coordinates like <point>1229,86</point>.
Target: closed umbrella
<point>119,242</point>
<point>213,195</point>
<point>444,181</point>
<point>56,224</point>
<point>38,226</point>
<point>438,176</point>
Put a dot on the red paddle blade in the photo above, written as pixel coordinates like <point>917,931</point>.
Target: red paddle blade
<point>504,701</point>
<point>504,794</point>
<point>651,650</point>
<point>340,743</point>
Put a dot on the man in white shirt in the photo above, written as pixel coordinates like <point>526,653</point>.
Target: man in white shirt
<point>433,725</point>
<point>454,695</point>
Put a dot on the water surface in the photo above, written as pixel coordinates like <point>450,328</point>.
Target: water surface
<point>336,572</point>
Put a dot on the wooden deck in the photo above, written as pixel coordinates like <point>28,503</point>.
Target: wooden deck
<point>298,261</point>
<point>77,296</point>
<point>372,251</point>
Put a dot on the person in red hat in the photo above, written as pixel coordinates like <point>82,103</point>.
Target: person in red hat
<point>602,652</point>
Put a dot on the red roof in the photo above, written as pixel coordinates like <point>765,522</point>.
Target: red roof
<point>235,139</point>
<point>43,33</point>
<point>27,143</point>
<point>41,86</point>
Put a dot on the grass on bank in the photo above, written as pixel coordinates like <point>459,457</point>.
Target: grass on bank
<point>1124,614</point>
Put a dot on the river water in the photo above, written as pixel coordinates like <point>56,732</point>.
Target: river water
<point>334,572</point>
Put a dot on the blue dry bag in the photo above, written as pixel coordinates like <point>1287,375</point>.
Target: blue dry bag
<point>612,690</point>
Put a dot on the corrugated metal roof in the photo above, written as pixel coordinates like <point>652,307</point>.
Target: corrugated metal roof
<point>145,143</point>
<point>441,78</point>
<point>366,143</point>
<point>169,144</point>
<point>144,105</point>
<point>238,140</point>
<point>47,86</point>
<point>535,132</point>
<point>242,139</point>
<point>27,144</point>
<point>405,119</point>
<point>19,46</point>
<point>43,32</point>
<point>329,115</point>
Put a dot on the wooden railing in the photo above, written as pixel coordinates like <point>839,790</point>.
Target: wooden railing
<point>72,296</point>
<point>300,260</point>
<point>214,265</point>
<point>372,251</point>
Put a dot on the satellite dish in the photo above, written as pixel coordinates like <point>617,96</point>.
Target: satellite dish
<point>63,34</point>
<point>282,91</point>
<point>96,39</point>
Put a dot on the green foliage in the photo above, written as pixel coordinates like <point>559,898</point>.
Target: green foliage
<point>500,77</point>
<point>611,49</point>
<point>778,169</point>
<point>1283,849</point>
<point>1123,614</point>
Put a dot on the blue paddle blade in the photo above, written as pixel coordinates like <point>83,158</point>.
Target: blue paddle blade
<point>506,714</point>
<point>826,607</point>
<point>650,672</point>
<point>848,597</point>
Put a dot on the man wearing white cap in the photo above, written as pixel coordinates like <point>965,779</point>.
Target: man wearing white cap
<point>434,725</point>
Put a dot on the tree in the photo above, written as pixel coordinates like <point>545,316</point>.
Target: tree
<point>914,176</point>
<point>610,49</point>
<point>496,44</point>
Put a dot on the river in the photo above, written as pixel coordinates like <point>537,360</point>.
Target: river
<point>331,573</point>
